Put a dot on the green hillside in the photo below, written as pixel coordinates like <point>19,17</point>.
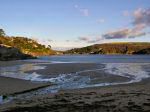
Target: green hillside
<point>26,45</point>
<point>113,48</point>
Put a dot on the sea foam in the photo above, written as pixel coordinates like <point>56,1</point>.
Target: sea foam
<point>135,71</point>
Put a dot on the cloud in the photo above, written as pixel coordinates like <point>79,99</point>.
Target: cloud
<point>67,40</point>
<point>50,40</point>
<point>90,39</point>
<point>124,33</point>
<point>142,16</point>
<point>118,34</point>
<point>141,20</point>
<point>100,21</point>
<point>83,11</point>
<point>84,38</point>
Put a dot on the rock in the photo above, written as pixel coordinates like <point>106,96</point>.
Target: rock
<point>10,53</point>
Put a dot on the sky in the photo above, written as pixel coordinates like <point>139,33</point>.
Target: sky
<point>67,24</point>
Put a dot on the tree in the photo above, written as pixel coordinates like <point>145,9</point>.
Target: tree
<point>2,33</point>
<point>49,46</point>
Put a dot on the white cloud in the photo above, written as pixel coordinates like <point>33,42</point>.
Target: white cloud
<point>83,11</point>
<point>100,21</point>
<point>141,20</point>
<point>142,16</point>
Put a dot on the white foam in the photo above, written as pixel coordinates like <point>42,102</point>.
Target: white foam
<point>18,72</point>
<point>130,70</point>
<point>134,71</point>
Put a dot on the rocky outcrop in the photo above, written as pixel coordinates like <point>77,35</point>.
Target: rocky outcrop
<point>10,53</point>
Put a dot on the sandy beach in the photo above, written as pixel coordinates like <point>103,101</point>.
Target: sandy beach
<point>74,56</point>
<point>64,68</point>
<point>133,97</point>
<point>121,98</point>
<point>10,86</point>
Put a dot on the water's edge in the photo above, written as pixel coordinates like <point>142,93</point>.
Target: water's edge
<point>130,70</point>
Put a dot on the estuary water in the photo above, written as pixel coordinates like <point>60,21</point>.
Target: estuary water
<point>132,67</point>
<point>99,58</point>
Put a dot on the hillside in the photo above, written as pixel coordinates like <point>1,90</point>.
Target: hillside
<point>10,53</point>
<point>143,51</point>
<point>113,48</point>
<point>26,45</point>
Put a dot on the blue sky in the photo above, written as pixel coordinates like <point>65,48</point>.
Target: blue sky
<point>76,23</point>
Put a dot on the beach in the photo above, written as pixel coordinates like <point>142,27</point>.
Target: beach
<point>15,86</point>
<point>131,97</point>
<point>74,56</point>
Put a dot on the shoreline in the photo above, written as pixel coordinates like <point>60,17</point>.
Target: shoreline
<point>118,98</point>
<point>114,98</point>
<point>11,86</point>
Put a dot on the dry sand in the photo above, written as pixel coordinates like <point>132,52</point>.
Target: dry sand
<point>120,98</point>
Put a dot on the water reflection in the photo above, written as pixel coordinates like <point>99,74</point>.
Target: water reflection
<point>18,71</point>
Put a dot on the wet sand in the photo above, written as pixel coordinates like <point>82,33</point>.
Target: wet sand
<point>119,98</point>
<point>9,86</point>
<point>65,68</point>
<point>11,63</point>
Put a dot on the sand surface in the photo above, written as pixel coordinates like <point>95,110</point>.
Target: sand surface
<point>64,68</point>
<point>11,63</point>
<point>13,86</point>
<point>119,98</point>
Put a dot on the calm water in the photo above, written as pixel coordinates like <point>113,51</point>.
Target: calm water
<point>100,58</point>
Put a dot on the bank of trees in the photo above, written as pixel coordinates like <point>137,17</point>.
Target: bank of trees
<point>24,44</point>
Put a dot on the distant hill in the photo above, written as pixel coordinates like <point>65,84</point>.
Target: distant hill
<point>26,46</point>
<point>143,51</point>
<point>113,48</point>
